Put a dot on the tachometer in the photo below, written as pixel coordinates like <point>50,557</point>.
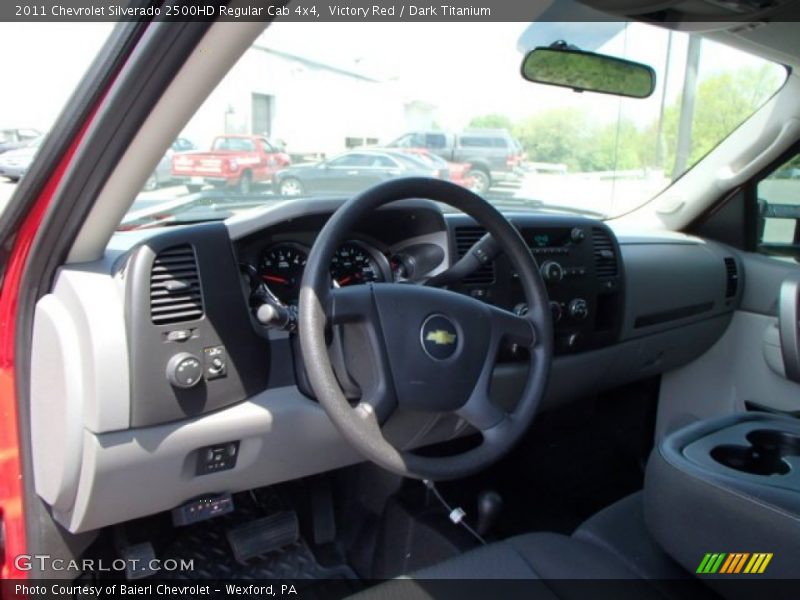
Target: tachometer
<point>353,263</point>
<point>281,268</point>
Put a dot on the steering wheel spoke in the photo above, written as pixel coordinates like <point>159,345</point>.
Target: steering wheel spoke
<point>349,305</point>
<point>512,327</point>
<point>379,402</point>
<point>480,412</point>
<point>358,352</point>
<point>378,397</point>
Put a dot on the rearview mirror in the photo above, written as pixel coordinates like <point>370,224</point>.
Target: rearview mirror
<point>587,71</point>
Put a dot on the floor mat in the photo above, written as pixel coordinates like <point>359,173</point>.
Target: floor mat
<point>206,545</point>
<point>212,559</point>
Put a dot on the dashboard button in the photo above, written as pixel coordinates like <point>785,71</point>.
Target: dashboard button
<point>578,308</point>
<point>577,235</point>
<point>552,271</point>
<point>556,311</point>
<point>215,362</point>
<point>184,370</point>
<point>179,335</point>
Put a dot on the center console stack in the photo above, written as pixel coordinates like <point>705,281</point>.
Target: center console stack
<point>580,263</point>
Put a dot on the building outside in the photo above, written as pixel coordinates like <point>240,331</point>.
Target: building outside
<point>276,94</point>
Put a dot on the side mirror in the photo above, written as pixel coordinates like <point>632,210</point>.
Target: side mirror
<point>581,71</point>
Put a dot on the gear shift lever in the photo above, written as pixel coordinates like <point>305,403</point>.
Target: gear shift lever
<point>489,506</point>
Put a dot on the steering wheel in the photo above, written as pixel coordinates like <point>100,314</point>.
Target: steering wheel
<point>422,348</point>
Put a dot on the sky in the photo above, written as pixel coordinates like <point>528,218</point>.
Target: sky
<point>470,69</point>
<point>42,64</point>
<point>467,69</point>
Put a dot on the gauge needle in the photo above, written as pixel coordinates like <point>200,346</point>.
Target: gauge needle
<point>275,279</point>
<point>345,280</point>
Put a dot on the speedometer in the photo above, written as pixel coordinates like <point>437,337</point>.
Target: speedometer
<point>281,268</point>
<point>353,263</point>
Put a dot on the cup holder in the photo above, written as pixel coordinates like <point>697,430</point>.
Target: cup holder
<point>764,456</point>
<point>749,460</point>
<point>777,442</point>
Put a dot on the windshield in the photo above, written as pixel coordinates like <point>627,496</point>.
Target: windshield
<point>331,109</point>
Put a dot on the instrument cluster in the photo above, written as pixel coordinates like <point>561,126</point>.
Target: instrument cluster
<point>281,265</point>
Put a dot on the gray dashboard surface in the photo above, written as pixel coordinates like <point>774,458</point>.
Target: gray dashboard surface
<point>672,284</point>
<point>98,468</point>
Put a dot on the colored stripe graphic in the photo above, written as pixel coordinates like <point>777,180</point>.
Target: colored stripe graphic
<point>745,556</point>
<point>729,562</point>
<point>767,558</point>
<point>734,563</point>
<point>715,567</point>
<point>703,563</point>
<point>711,562</point>
<point>755,562</point>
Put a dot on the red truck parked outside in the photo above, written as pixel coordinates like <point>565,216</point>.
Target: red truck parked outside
<point>235,161</point>
<point>459,173</point>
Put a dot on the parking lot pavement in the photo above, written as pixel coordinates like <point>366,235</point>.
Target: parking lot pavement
<point>6,189</point>
<point>590,192</point>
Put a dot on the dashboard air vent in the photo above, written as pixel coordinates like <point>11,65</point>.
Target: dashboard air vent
<point>175,294</point>
<point>465,238</point>
<point>731,277</point>
<point>605,259</point>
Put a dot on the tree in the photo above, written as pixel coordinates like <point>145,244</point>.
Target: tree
<point>572,136</point>
<point>558,135</point>
<point>491,121</point>
<point>724,101</point>
<point>615,146</point>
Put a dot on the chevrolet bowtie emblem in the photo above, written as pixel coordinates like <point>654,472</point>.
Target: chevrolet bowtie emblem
<point>441,337</point>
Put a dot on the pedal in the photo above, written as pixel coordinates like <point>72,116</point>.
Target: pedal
<point>264,535</point>
<point>323,517</point>
<point>138,558</point>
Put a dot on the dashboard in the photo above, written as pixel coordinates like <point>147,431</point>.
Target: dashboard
<point>152,373</point>
<point>578,258</point>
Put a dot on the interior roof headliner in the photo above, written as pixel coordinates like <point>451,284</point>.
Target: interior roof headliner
<point>772,34</point>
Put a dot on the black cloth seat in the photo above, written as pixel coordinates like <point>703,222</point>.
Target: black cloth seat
<point>557,561</point>
<point>551,558</point>
<point>611,555</point>
<point>531,556</point>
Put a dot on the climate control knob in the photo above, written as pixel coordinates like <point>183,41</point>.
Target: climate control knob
<point>578,308</point>
<point>556,311</point>
<point>551,271</point>
<point>184,370</point>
